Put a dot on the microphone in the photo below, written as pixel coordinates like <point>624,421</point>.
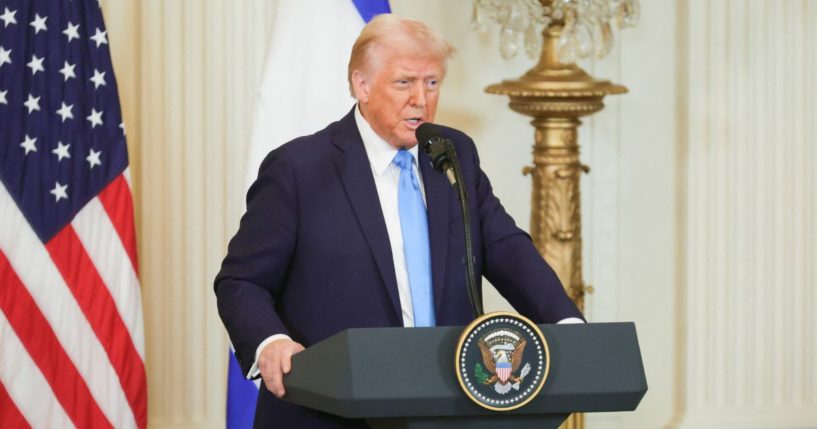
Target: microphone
<point>438,148</point>
<point>444,159</point>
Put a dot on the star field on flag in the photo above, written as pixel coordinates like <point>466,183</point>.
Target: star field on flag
<point>71,327</point>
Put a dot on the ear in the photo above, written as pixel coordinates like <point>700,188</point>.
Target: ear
<point>360,83</point>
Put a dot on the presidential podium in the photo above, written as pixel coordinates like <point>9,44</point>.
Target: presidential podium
<point>406,378</point>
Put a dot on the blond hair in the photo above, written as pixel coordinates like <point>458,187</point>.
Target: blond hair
<point>387,27</point>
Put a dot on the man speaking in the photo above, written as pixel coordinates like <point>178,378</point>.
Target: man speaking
<point>351,227</point>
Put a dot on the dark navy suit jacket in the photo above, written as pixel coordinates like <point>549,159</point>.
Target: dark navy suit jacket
<point>312,256</point>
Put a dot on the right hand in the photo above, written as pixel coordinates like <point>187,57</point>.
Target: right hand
<point>274,361</point>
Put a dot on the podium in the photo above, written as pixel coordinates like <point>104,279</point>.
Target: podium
<point>400,378</point>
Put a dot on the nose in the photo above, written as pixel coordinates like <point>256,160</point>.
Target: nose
<point>418,95</point>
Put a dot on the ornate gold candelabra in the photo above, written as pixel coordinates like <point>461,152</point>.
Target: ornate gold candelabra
<point>556,93</point>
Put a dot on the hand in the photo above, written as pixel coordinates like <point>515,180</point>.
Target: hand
<point>274,361</point>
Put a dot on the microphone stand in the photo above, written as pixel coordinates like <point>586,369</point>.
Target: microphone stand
<point>473,292</point>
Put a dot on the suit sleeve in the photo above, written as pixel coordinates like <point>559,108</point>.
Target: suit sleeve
<point>254,272</point>
<point>511,262</point>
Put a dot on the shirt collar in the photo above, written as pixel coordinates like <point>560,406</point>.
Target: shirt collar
<point>380,152</point>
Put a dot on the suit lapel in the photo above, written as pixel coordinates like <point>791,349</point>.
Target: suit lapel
<point>356,176</point>
<point>437,199</point>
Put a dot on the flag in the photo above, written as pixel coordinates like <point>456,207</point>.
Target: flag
<point>303,89</point>
<point>71,331</point>
<point>242,395</point>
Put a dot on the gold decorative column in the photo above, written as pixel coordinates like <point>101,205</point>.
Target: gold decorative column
<point>556,95</point>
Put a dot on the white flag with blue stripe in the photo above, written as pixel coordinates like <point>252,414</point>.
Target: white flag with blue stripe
<point>303,89</point>
<point>304,85</point>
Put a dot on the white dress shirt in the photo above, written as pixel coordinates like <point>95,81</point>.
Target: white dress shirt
<point>386,180</point>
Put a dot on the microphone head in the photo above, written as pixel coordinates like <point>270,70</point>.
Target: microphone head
<point>427,131</point>
<point>436,146</point>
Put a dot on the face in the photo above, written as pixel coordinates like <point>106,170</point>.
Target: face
<point>399,92</point>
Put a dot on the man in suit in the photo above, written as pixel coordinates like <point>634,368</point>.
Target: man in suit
<point>351,227</point>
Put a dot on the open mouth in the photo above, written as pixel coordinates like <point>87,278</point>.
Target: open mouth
<point>414,122</point>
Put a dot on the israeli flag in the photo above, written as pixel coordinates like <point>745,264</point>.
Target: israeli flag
<point>302,90</point>
<point>304,86</point>
<point>242,395</point>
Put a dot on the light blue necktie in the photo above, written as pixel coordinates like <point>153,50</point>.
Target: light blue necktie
<point>414,226</point>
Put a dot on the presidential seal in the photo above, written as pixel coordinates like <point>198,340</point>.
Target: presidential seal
<point>502,361</point>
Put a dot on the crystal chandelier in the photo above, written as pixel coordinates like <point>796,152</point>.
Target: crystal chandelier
<point>587,24</point>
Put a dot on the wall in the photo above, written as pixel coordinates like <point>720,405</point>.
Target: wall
<point>188,71</point>
<point>749,333</point>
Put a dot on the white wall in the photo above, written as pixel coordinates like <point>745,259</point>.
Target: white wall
<point>187,73</point>
<point>750,331</point>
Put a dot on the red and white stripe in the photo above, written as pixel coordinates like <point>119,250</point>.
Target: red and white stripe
<point>71,329</point>
<point>503,373</point>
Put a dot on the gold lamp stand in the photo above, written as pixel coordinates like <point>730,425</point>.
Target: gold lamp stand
<point>556,95</point>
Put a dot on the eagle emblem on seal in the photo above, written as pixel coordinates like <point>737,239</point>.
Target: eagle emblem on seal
<point>502,352</point>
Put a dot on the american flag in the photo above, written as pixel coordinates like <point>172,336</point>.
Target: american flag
<point>71,332</point>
